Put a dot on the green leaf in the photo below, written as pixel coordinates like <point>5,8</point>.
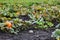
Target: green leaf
<point>49,24</point>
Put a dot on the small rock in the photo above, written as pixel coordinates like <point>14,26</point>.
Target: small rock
<point>37,35</point>
<point>30,31</point>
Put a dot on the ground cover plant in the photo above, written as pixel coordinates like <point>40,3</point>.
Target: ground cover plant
<point>56,34</point>
<point>17,17</point>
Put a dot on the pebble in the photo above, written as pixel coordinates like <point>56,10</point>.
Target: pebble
<point>31,31</point>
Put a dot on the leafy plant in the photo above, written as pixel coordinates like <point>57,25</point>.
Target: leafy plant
<point>40,22</point>
<point>40,14</point>
<point>56,34</point>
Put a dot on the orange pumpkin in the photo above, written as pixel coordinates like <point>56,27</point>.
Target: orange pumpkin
<point>8,24</point>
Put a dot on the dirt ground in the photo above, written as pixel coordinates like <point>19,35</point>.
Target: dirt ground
<point>26,35</point>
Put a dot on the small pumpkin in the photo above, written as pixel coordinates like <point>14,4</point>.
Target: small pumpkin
<point>8,24</point>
